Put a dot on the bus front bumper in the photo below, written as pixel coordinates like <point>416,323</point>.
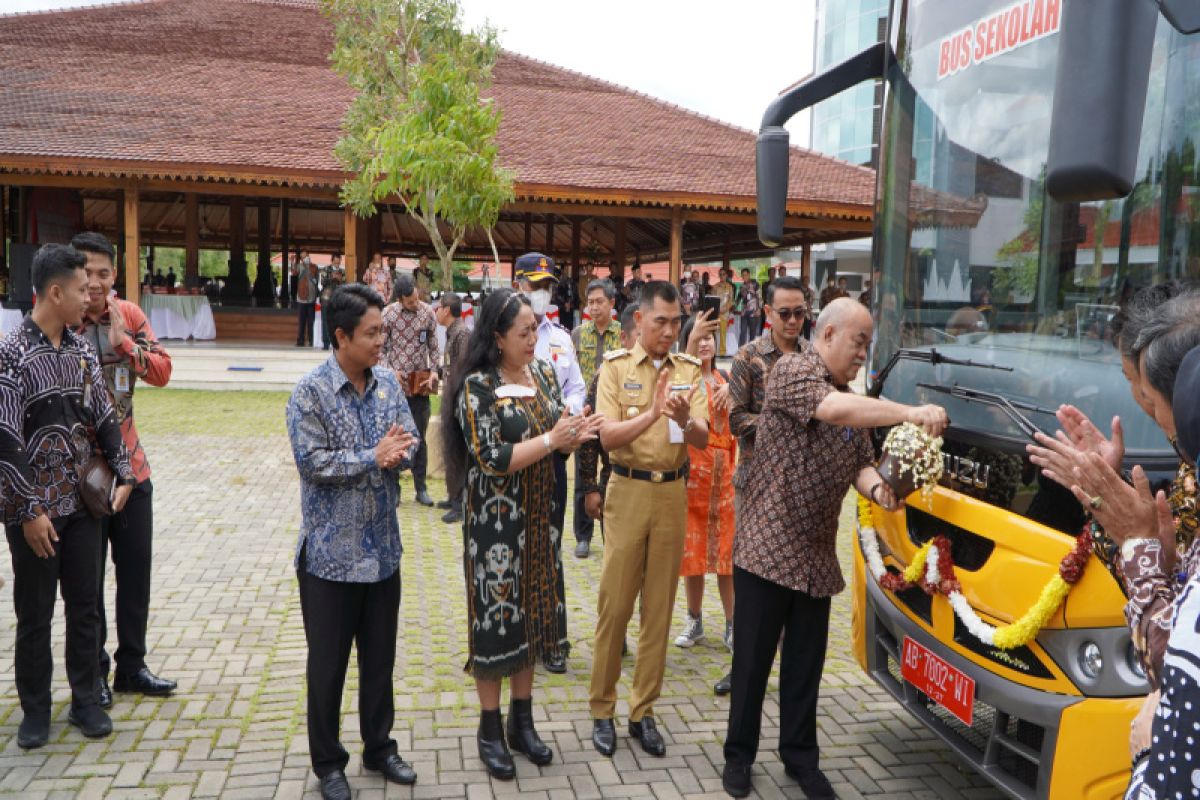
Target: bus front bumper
<point>1028,742</point>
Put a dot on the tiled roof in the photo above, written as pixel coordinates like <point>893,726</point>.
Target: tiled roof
<point>242,89</point>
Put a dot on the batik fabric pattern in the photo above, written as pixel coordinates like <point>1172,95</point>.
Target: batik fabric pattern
<point>708,544</point>
<point>45,413</point>
<point>512,558</point>
<point>347,501</point>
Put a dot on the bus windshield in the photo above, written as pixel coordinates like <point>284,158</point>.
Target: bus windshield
<point>977,261</point>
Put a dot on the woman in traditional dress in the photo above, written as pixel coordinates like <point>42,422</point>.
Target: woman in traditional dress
<point>502,417</point>
<point>708,547</point>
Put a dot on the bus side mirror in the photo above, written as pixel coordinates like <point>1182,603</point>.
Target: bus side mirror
<point>771,168</point>
<point>1183,14</point>
<point>1099,98</point>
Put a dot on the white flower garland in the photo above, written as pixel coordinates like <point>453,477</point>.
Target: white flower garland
<point>869,541</point>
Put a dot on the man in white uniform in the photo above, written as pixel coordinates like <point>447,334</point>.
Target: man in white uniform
<point>535,272</point>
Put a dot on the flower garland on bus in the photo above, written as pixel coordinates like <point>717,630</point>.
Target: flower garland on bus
<point>933,571</point>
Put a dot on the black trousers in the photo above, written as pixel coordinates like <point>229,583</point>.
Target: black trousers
<point>337,615</point>
<point>326,331</point>
<point>419,406</point>
<point>36,581</point>
<point>306,314</point>
<point>584,525</point>
<point>129,534</point>
<point>762,610</point>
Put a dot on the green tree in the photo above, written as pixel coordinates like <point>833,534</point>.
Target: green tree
<point>418,128</point>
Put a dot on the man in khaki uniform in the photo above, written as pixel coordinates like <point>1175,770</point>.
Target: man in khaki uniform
<point>654,407</point>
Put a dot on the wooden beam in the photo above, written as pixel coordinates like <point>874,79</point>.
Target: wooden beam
<point>191,238</point>
<point>285,239</point>
<point>132,247</point>
<point>806,264</point>
<point>351,245</point>
<point>676,244</point>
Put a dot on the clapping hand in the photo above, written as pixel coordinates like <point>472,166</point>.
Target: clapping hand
<point>116,323</point>
<point>721,398</point>
<point>1125,511</point>
<point>394,447</point>
<point>573,430</point>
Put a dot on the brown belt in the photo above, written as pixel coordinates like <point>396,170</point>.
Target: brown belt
<point>647,475</point>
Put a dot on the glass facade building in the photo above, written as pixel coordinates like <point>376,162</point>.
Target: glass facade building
<point>847,126</point>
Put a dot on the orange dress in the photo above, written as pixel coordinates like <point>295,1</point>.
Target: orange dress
<point>708,546</point>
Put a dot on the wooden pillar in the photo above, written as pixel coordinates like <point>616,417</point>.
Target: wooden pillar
<point>676,244</point>
<point>528,243</point>
<point>549,236</point>
<point>4,231</point>
<point>132,248</point>
<point>727,254</point>
<point>237,285</point>
<point>619,249</point>
<point>264,280</point>
<point>350,261</point>
<point>285,276</point>
<point>806,264</point>
<point>576,234</point>
<point>191,240</point>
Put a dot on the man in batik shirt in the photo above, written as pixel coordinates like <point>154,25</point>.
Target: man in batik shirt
<point>351,431</point>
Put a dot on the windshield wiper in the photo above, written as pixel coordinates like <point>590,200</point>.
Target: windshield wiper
<point>1008,407</point>
<point>930,356</point>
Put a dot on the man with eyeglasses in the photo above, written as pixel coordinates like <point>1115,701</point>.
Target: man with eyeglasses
<point>785,311</point>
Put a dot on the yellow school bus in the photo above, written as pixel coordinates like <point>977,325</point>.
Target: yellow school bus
<point>1037,164</point>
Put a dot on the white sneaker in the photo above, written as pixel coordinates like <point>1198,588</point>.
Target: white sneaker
<point>693,632</point>
<point>729,635</point>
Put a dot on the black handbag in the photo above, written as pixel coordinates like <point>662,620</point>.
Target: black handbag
<point>97,483</point>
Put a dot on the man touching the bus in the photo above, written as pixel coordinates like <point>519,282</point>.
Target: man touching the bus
<point>785,557</point>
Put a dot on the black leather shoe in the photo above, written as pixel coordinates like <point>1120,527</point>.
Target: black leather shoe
<point>583,548</point>
<point>493,752</point>
<point>143,682</point>
<point>104,693</point>
<point>604,736</point>
<point>395,769</point>
<point>522,738</point>
<point>646,732</point>
<point>724,686</point>
<point>812,782</point>
<point>335,787</point>
<point>92,721</point>
<point>452,516</point>
<point>735,779</point>
<point>444,504</point>
<point>556,664</point>
<point>424,499</point>
<point>34,731</point>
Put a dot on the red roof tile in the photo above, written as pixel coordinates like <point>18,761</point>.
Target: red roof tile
<point>189,88</point>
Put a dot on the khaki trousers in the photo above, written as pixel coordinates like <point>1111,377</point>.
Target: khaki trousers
<point>644,525</point>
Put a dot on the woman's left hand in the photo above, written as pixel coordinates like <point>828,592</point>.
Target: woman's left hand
<point>1139,729</point>
<point>721,398</point>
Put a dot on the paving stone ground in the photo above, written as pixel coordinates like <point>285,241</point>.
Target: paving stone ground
<point>226,624</point>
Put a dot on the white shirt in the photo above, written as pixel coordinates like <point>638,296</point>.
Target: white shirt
<point>555,346</point>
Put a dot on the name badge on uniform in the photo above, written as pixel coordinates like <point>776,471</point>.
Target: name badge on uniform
<point>423,337</point>
<point>121,379</point>
<point>630,386</point>
<point>681,387</point>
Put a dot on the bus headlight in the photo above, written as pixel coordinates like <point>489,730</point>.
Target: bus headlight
<point>1091,662</point>
<point>1135,663</point>
<point>1100,661</point>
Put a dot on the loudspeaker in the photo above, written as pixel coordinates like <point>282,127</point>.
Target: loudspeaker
<point>20,284</point>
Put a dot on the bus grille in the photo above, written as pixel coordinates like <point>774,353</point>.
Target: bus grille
<point>1004,747</point>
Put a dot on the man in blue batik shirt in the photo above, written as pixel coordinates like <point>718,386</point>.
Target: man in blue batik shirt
<point>351,431</point>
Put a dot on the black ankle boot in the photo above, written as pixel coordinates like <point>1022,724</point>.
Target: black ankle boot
<point>522,737</point>
<point>493,752</point>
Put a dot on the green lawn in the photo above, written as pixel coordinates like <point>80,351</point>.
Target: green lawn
<point>237,415</point>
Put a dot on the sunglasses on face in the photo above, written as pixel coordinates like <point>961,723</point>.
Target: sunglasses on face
<point>786,314</point>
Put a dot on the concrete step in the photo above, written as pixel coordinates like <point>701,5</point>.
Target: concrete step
<point>239,367</point>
